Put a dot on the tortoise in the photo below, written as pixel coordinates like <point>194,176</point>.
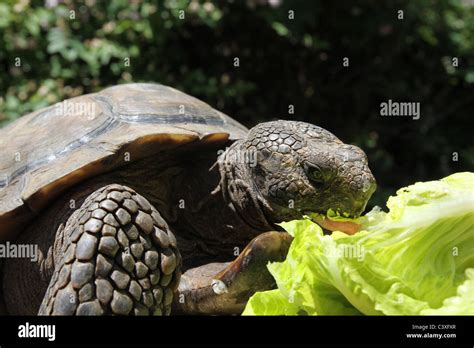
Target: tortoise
<point>143,200</point>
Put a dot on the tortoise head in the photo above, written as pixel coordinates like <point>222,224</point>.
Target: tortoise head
<point>289,168</point>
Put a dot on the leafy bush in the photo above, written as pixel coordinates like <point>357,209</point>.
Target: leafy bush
<point>68,48</point>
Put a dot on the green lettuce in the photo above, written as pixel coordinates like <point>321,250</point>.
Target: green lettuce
<point>417,259</point>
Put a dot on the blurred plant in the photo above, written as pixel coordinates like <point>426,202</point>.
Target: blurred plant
<point>289,53</point>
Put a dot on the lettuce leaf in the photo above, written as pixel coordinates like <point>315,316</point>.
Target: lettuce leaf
<point>417,259</point>
<point>270,303</point>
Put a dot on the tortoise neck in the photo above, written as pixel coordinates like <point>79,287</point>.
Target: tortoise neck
<point>237,186</point>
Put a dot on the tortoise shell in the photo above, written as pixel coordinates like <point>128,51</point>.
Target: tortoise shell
<point>48,151</point>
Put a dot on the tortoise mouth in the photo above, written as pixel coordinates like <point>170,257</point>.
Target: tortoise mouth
<point>348,227</point>
<point>326,222</point>
<point>347,208</point>
<point>286,214</point>
<point>327,214</point>
<point>331,213</point>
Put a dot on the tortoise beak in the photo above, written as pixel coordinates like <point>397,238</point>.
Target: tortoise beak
<point>353,204</point>
<point>360,205</point>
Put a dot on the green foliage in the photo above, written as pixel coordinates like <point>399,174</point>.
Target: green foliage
<point>76,47</point>
<point>391,266</point>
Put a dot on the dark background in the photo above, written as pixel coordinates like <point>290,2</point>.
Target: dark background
<point>282,62</point>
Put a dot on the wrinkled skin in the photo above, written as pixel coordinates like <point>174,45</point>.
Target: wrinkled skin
<point>279,172</point>
<point>299,168</point>
<point>283,170</point>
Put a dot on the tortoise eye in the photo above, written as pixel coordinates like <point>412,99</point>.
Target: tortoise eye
<point>315,174</point>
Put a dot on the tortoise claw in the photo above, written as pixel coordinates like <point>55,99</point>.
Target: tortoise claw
<point>206,290</point>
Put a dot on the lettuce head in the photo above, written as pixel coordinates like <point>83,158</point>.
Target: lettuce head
<point>417,259</point>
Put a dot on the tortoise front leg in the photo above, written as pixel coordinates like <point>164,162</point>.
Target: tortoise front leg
<point>113,255</point>
<point>224,288</point>
<point>119,258</point>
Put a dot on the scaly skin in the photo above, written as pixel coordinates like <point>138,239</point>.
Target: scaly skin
<point>298,168</point>
<point>116,256</point>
